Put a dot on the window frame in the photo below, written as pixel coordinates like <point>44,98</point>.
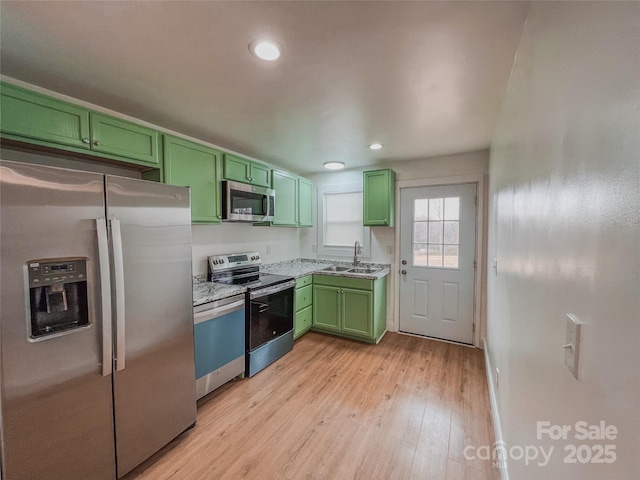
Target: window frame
<point>339,251</point>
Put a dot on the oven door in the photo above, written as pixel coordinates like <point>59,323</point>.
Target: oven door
<point>269,314</point>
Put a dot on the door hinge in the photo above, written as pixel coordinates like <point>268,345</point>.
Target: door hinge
<point>476,200</point>
<point>474,327</point>
<point>475,264</point>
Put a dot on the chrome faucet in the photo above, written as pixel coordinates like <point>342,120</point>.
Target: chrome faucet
<point>356,250</point>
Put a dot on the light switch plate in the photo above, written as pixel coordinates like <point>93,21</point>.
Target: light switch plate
<point>572,344</point>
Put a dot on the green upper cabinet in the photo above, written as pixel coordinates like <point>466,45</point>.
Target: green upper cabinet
<point>379,198</point>
<point>30,116</point>
<point>286,207</point>
<point>121,138</point>
<point>192,165</point>
<point>242,170</point>
<point>305,202</point>
<point>41,120</point>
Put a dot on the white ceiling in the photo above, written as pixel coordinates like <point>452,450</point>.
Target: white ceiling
<point>423,78</point>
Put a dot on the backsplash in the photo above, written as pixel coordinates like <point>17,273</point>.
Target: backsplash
<point>274,244</point>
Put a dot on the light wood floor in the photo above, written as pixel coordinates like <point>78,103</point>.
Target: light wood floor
<point>339,409</point>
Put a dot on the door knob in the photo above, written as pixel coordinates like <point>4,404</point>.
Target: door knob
<point>404,272</point>
<point>96,143</point>
<point>404,262</point>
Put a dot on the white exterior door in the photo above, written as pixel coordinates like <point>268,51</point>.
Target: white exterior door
<point>437,261</point>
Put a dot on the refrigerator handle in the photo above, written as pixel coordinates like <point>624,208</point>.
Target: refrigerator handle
<point>118,267</point>
<point>105,296</point>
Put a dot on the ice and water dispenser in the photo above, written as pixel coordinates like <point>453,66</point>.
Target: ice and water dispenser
<point>57,296</point>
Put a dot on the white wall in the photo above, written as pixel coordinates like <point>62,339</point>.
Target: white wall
<point>383,238</point>
<point>565,229</point>
<point>273,243</point>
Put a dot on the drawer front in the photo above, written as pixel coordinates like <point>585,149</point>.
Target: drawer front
<point>304,281</point>
<point>304,296</point>
<point>303,321</point>
<point>343,282</point>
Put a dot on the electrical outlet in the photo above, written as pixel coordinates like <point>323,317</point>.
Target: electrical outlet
<point>572,344</point>
<point>497,378</point>
<point>268,249</point>
<point>389,249</point>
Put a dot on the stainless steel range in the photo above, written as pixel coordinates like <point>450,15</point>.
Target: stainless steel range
<point>268,307</point>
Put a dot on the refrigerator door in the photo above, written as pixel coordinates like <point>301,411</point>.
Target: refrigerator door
<point>154,381</point>
<point>56,402</point>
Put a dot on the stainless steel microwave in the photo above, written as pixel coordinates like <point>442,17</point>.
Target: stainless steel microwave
<point>247,203</point>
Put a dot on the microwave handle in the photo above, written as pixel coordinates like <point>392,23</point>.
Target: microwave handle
<point>268,199</point>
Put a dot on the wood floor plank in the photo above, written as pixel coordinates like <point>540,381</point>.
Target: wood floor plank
<point>338,409</point>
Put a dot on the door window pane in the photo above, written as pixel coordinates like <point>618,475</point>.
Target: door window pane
<point>420,255</point>
<point>421,209</point>
<point>435,232</point>
<point>420,230</point>
<point>436,207</point>
<point>451,256</point>
<point>451,233</point>
<point>452,208</point>
<point>435,255</point>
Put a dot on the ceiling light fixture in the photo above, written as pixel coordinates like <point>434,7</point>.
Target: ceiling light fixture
<point>266,50</point>
<point>334,165</point>
<point>375,146</point>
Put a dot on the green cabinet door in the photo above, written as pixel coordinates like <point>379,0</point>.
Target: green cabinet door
<point>286,200</point>
<point>236,168</point>
<point>357,312</point>
<point>242,170</point>
<point>30,116</point>
<point>326,307</point>
<point>260,175</point>
<point>192,165</point>
<point>119,137</point>
<point>305,202</point>
<point>302,321</point>
<point>379,198</point>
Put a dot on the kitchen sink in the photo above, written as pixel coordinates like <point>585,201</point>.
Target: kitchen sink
<point>363,270</point>
<point>335,268</point>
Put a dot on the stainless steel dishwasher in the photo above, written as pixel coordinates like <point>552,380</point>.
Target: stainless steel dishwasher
<point>219,332</point>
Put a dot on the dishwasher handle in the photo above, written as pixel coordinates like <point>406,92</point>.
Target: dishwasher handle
<point>218,311</point>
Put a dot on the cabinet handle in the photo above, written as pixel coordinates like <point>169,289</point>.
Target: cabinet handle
<point>385,222</point>
<point>404,272</point>
<point>86,140</point>
<point>97,143</point>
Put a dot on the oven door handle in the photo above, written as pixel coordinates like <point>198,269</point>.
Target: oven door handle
<point>263,292</point>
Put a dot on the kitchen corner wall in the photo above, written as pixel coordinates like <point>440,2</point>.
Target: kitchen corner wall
<point>471,163</point>
<point>565,229</point>
<point>273,243</point>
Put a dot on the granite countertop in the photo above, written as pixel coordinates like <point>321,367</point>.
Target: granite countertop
<point>204,291</point>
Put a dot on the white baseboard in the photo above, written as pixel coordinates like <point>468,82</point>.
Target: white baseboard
<point>495,415</point>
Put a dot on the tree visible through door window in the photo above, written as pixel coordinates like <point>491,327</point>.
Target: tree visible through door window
<point>436,232</point>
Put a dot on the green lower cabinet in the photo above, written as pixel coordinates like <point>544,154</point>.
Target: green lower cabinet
<point>357,308</point>
<point>189,164</point>
<point>303,321</point>
<point>350,307</point>
<point>303,306</point>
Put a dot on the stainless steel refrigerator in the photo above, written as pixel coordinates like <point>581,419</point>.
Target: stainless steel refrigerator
<point>96,326</point>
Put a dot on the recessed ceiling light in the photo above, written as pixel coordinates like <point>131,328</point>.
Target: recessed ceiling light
<point>375,146</point>
<point>334,165</point>
<point>266,50</point>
